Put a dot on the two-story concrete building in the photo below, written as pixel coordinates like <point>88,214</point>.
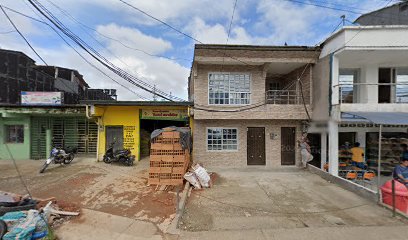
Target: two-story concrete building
<point>361,89</point>
<point>250,103</point>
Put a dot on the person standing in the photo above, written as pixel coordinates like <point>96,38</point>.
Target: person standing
<point>357,157</point>
<point>305,150</point>
<point>400,172</point>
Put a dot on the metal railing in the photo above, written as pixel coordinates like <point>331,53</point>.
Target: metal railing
<point>398,92</point>
<point>282,97</point>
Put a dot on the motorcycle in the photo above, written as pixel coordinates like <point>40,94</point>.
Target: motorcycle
<point>123,156</point>
<point>60,156</point>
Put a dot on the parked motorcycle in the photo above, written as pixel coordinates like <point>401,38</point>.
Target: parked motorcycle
<point>60,156</point>
<point>123,156</point>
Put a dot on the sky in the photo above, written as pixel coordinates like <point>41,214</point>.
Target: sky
<point>157,54</point>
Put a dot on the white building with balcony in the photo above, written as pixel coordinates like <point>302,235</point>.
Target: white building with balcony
<point>360,88</point>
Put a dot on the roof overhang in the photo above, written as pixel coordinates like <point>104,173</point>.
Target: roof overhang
<point>382,118</point>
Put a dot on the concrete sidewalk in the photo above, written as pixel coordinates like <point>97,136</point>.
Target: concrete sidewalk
<point>256,203</point>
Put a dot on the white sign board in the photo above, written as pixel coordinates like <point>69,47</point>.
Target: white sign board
<point>41,98</point>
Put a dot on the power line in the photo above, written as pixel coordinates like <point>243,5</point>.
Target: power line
<point>390,16</point>
<point>175,29</point>
<point>22,36</point>
<point>96,55</point>
<point>108,37</point>
<point>94,66</point>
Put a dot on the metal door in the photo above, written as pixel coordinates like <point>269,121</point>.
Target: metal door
<point>288,145</point>
<point>256,146</point>
<point>38,137</point>
<point>114,133</point>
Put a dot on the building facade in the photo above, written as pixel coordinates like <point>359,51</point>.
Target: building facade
<point>40,108</point>
<point>396,14</point>
<point>250,103</point>
<point>30,132</point>
<point>129,124</point>
<point>361,95</point>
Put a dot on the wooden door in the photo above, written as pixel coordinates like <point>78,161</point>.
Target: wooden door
<point>288,146</point>
<point>114,133</point>
<point>256,146</point>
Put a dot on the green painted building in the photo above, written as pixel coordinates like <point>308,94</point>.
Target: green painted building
<point>29,132</point>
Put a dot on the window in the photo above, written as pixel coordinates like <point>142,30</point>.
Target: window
<point>402,86</point>
<point>219,139</point>
<point>14,133</point>
<point>229,88</point>
<point>347,78</point>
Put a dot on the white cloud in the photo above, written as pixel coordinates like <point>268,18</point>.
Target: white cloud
<point>217,34</point>
<point>132,37</point>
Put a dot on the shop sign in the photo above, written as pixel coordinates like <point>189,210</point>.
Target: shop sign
<point>41,98</point>
<point>162,114</point>
<point>129,137</point>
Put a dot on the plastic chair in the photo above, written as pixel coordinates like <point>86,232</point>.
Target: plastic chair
<point>352,176</point>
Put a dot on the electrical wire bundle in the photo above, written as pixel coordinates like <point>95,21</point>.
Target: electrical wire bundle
<point>98,56</point>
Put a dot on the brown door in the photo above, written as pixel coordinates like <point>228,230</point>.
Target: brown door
<point>256,146</point>
<point>288,145</point>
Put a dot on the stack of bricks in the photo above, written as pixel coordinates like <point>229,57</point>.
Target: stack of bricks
<point>168,161</point>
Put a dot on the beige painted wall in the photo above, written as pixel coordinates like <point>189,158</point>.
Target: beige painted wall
<point>258,76</point>
<point>239,158</point>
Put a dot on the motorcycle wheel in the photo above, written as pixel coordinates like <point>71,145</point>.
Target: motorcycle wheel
<point>107,159</point>
<point>69,159</point>
<point>44,167</point>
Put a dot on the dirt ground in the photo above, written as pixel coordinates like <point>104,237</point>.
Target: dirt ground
<point>109,188</point>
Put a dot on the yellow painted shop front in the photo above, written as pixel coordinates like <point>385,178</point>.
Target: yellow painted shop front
<point>129,124</point>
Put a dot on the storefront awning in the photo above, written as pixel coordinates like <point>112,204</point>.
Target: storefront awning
<point>388,118</point>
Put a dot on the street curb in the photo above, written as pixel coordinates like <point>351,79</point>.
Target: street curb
<point>345,184</point>
<point>173,227</point>
<point>398,212</point>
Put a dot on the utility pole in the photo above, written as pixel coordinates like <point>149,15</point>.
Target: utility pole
<point>343,17</point>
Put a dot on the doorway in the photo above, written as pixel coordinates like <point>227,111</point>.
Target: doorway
<point>385,76</point>
<point>288,146</point>
<point>315,148</point>
<point>147,126</point>
<point>114,134</point>
<point>256,146</point>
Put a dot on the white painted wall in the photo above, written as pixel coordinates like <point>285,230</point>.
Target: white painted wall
<point>366,37</point>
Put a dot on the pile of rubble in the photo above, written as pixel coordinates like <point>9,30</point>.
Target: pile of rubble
<point>22,217</point>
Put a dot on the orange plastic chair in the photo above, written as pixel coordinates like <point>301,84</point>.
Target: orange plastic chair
<point>369,175</point>
<point>352,175</point>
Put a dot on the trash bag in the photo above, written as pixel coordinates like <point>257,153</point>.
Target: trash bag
<point>192,178</point>
<point>202,175</point>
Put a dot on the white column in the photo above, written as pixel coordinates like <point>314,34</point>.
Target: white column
<point>335,80</point>
<point>323,151</point>
<point>368,93</point>
<point>361,138</point>
<point>333,148</point>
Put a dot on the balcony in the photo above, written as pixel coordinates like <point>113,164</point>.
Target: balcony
<point>283,97</point>
<point>371,97</point>
<point>391,93</point>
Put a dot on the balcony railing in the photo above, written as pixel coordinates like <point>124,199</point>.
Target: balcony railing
<point>392,92</point>
<point>282,97</point>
